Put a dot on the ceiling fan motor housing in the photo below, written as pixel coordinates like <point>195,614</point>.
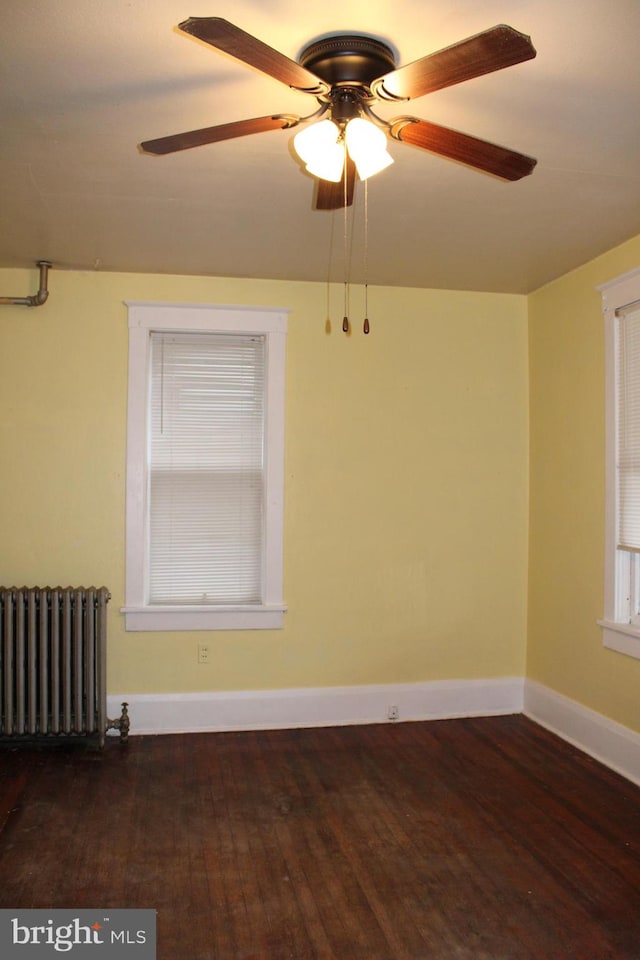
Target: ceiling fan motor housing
<point>348,60</point>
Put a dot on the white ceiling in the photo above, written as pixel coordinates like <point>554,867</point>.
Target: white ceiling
<point>82,82</point>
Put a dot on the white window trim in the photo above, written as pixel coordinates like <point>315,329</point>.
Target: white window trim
<point>618,633</point>
<point>145,317</point>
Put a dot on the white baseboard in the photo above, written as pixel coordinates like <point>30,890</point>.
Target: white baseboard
<point>616,746</point>
<point>318,707</point>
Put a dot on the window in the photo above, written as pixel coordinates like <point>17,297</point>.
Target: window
<point>621,307</point>
<point>205,467</point>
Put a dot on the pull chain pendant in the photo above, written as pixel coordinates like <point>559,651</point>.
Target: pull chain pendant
<point>345,324</point>
<point>365,328</point>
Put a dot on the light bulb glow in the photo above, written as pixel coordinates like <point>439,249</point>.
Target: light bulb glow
<point>320,150</point>
<point>367,146</point>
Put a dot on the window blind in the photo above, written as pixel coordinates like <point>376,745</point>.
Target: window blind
<point>628,426</point>
<point>206,478</point>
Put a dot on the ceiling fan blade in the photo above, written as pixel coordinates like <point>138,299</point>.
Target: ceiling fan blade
<point>230,39</point>
<point>331,196</point>
<point>494,49</point>
<point>225,131</point>
<point>480,154</point>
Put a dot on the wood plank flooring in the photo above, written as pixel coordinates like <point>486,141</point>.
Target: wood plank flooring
<point>482,839</point>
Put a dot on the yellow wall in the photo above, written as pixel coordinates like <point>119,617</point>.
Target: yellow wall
<point>566,572</point>
<point>406,480</point>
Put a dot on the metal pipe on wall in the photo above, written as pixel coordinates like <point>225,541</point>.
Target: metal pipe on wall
<point>38,298</point>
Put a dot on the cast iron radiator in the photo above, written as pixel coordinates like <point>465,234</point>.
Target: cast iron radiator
<point>53,663</point>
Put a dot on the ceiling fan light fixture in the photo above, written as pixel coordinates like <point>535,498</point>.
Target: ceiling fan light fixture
<point>347,73</point>
<point>319,148</point>
<point>367,146</point>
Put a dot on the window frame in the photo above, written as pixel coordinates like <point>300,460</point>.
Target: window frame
<point>620,626</point>
<point>270,323</point>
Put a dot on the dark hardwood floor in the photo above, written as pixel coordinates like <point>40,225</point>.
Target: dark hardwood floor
<point>484,839</point>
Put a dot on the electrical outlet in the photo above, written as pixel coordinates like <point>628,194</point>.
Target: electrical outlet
<point>203,653</point>
<point>393,713</point>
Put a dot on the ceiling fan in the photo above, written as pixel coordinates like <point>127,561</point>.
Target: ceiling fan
<point>347,74</point>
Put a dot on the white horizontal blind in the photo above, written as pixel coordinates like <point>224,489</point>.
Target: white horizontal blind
<point>206,484</point>
<point>628,427</point>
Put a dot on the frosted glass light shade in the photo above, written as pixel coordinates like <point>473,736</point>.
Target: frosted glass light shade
<point>367,146</point>
<point>318,147</point>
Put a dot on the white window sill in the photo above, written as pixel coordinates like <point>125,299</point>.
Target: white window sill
<point>621,637</point>
<point>263,617</point>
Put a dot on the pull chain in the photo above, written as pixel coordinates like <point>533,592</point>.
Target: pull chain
<point>327,325</point>
<point>345,319</point>
<point>365,326</point>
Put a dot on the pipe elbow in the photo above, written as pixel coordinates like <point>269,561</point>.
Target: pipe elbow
<point>39,298</point>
